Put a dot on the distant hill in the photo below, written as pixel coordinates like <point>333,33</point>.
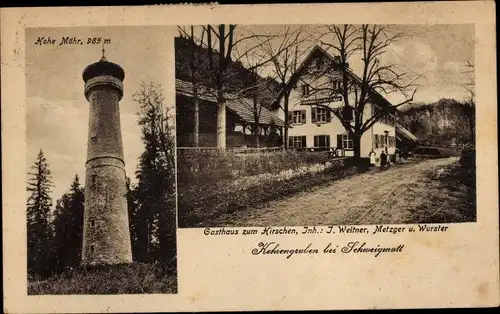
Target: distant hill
<point>445,122</point>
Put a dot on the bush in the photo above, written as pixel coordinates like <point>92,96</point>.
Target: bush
<point>200,204</point>
<point>468,159</point>
<point>207,167</point>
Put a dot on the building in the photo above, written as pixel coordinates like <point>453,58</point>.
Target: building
<point>242,113</point>
<point>316,85</point>
<point>106,234</point>
<point>241,117</point>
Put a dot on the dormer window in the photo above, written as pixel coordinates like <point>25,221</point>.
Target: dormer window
<point>319,63</point>
<point>336,84</point>
<point>305,89</point>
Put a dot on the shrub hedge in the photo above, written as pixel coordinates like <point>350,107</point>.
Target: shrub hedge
<point>199,204</point>
<point>207,167</point>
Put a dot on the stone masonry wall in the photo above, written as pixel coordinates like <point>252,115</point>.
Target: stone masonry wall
<point>105,138</point>
<point>106,237</point>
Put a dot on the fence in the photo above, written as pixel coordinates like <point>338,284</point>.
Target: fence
<point>234,150</point>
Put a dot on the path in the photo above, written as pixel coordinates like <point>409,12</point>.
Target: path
<point>376,197</point>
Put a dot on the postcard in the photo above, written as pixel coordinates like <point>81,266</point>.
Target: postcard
<point>186,158</point>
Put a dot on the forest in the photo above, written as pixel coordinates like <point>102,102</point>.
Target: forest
<point>447,122</point>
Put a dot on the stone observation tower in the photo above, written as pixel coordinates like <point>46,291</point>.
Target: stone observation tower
<point>106,235</point>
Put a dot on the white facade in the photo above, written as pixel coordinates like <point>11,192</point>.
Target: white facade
<point>316,128</point>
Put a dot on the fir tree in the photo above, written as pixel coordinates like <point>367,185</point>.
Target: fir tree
<point>68,227</point>
<point>38,217</point>
<point>133,214</point>
<point>155,216</point>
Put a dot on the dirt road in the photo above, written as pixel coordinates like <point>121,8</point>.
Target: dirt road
<point>404,193</point>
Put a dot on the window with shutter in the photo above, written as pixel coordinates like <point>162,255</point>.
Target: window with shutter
<point>347,142</point>
<point>303,116</point>
<point>313,115</point>
<point>296,141</point>
<point>290,116</point>
<point>328,116</point>
<point>304,143</point>
<point>339,141</point>
<point>322,141</point>
<point>321,114</point>
<point>297,117</point>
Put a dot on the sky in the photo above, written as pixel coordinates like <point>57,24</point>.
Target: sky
<point>436,53</point>
<point>57,111</point>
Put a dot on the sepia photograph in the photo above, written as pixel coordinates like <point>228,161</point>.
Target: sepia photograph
<point>100,139</point>
<point>303,125</point>
<point>198,158</point>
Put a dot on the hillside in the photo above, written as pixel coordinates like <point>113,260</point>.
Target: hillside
<point>445,122</point>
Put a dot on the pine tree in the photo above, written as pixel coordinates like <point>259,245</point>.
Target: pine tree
<point>134,221</point>
<point>38,217</point>
<point>68,227</point>
<point>155,216</point>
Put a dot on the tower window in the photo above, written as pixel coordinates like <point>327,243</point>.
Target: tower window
<point>93,179</point>
<point>92,223</point>
<point>93,139</point>
<point>92,249</point>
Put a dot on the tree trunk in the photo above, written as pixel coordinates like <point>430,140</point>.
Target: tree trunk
<point>221,122</point>
<point>472,123</point>
<point>285,129</point>
<point>257,135</point>
<point>356,142</point>
<point>196,128</point>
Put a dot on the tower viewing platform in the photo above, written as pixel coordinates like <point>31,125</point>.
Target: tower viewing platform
<point>103,72</point>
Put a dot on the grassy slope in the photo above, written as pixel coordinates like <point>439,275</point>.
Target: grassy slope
<point>134,278</point>
<point>450,197</point>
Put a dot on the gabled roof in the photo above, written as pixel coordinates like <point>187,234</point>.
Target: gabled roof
<point>403,133</point>
<point>239,105</point>
<point>241,77</point>
<point>317,49</point>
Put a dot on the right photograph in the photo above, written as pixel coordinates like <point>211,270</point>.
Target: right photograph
<point>305,125</point>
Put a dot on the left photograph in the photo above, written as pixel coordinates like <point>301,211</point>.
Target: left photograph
<point>100,134</point>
